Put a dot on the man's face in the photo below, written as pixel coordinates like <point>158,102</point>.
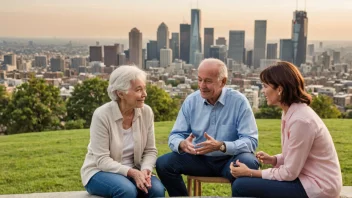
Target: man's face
<point>209,84</point>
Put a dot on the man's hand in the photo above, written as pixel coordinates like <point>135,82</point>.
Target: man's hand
<point>208,146</point>
<point>187,146</point>
<point>139,178</point>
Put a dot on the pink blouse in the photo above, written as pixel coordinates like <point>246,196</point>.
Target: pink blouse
<point>308,153</point>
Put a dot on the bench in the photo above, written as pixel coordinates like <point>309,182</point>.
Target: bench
<point>197,183</point>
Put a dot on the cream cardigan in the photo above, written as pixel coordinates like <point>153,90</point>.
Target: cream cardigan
<point>105,147</point>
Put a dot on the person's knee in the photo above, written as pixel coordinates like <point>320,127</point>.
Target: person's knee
<point>158,190</point>
<point>250,160</point>
<point>162,162</point>
<point>238,186</point>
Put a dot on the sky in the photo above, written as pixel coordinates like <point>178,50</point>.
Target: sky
<point>327,19</point>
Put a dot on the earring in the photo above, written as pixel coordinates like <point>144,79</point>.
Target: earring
<point>279,93</point>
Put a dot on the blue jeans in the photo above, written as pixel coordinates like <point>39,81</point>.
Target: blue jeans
<point>114,185</point>
<point>170,167</point>
<point>258,187</point>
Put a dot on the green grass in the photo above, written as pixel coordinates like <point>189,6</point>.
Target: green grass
<point>51,161</point>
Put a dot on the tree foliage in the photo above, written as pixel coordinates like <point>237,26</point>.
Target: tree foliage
<point>85,98</point>
<point>269,112</point>
<point>35,106</point>
<point>164,107</point>
<point>4,100</point>
<point>324,106</point>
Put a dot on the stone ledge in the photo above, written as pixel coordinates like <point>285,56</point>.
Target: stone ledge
<point>346,192</point>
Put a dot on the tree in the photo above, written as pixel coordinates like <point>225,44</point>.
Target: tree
<point>324,106</point>
<point>4,100</point>
<point>269,112</point>
<point>85,98</point>
<point>35,106</point>
<point>164,107</point>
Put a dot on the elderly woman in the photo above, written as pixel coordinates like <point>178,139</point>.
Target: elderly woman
<point>308,165</point>
<point>122,153</point>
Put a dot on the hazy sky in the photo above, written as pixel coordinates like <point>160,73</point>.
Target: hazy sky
<point>327,19</point>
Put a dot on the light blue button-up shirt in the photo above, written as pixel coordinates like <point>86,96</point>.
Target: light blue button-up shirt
<point>230,120</point>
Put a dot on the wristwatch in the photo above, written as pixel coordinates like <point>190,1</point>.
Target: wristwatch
<point>223,147</point>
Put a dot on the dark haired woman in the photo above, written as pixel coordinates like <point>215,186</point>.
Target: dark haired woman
<point>308,165</point>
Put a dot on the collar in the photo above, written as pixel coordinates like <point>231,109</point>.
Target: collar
<point>116,112</point>
<point>221,98</point>
<point>291,110</point>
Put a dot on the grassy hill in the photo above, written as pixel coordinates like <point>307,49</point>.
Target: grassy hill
<point>51,161</point>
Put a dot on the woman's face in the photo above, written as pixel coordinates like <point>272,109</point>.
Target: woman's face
<point>136,94</point>
<point>272,95</point>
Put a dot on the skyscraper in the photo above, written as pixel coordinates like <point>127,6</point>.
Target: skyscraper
<point>135,51</point>
<point>195,34</point>
<point>185,41</point>
<point>10,59</point>
<point>208,40</point>
<point>162,38</point>
<point>299,37</point>
<point>220,41</point>
<point>175,45</point>
<point>286,50</point>
<point>259,42</point>
<point>152,50</point>
<point>40,61</point>
<point>249,62</point>
<point>110,55</point>
<point>311,50</point>
<point>219,52</point>
<point>271,51</point>
<point>57,64</point>
<point>165,57</point>
<point>95,53</point>
<point>236,45</point>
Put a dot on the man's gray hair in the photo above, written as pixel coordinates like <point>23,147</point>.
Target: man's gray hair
<point>222,67</point>
<point>120,79</point>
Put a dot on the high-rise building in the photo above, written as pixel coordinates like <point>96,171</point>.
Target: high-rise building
<point>236,46</point>
<point>95,53</point>
<point>144,53</point>
<point>299,37</point>
<point>249,62</point>
<point>165,57</point>
<point>271,51</point>
<point>221,41</point>
<point>162,38</point>
<point>198,58</point>
<point>175,45</point>
<point>152,50</point>
<point>208,40</point>
<point>57,64</point>
<point>77,61</point>
<point>311,49</point>
<point>185,41</point>
<point>196,45</point>
<point>10,59</point>
<point>286,50</point>
<point>259,42</point>
<point>336,57</point>
<point>321,45</point>
<point>135,51</point>
<point>219,52</point>
<point>110,55</point>
<point>119,47</point>
<point>121,59</point>
<point>40,61</point>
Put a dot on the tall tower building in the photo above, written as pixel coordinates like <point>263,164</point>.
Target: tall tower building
<point>286,50</point>
<point>195,34</point>
<point>152,50</point>
<point>299,37</point>
<point>271,51</point>
<point>162,38</point>
<point>259,42</point>
<point>311,50</point>
<point>236,46</point>
<point>175,45</point>
<point>219,52</point>
<point>249,61</point>
<point>165,57</point>
<point>40,61</point>
<point>221,41</point>
<point>10,59</point>
<point>185,41</point>
<point>208,40</point>
<point>110,55</point>
<point>95,53</point>
<point>57,64</point>
<point>135,51</point>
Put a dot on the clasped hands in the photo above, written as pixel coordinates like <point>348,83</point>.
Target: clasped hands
<point>142,178</point>
<point>209,145</point>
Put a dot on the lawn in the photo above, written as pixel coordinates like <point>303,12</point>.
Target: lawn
<point>51,161</point>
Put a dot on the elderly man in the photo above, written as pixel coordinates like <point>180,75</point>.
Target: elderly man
<point>214,127</point>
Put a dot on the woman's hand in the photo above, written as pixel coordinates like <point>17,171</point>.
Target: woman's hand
<point>148,176</point>
<point>140,179</point>
<point>240,171</point>
<point>266,158</point>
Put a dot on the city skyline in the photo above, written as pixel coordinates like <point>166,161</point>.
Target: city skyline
<point>327,20</point>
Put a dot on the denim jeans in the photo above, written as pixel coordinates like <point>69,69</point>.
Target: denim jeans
<point>258,187</point>
<point>114,185</point>
<point>170,167</point>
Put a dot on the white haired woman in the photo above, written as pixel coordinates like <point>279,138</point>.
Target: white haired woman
<point>122,153</point>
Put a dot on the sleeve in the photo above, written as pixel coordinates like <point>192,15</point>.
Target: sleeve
<point>150,152</point>
<point>247,141</point>
<point>279,160</point>
<point>300,142</point>
<point>181,129</point>
<point>99,138</point>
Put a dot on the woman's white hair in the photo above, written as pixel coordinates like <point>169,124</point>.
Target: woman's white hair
<point>120,79</point>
